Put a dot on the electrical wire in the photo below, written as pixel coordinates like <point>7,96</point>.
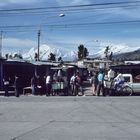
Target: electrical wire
<point>34,27</point>
<point>96,6</point>
<point>75,8</point>
<point>78,10</point>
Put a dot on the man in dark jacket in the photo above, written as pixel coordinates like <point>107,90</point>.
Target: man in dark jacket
<point>18,87</point>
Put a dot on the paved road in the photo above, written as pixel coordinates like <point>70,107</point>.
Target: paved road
<point>69,118</point>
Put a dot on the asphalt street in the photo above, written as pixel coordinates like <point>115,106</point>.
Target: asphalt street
<point>70,118</point>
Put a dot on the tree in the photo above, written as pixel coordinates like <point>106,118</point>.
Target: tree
<point>18,55</point>
<point>108,54</point>
<point>111,56</point>
<point>85,52</point>
<point>36,56</point>
<point>60,58</point>
<point>7,56</point>
<point>51,57</point>
<point>82,52</point>
<point>10,56</point>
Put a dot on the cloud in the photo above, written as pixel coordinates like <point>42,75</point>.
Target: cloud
<point>14,44</point>
<point>118,13</point>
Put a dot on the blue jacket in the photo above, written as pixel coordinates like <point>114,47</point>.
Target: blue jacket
<point>100,77</point>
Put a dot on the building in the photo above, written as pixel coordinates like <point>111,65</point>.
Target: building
<point>96,63</point>
<point>133,69</point>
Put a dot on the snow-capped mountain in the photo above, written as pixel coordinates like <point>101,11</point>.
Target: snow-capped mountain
<point>67,54</point>
<point>45,50</point>
<point>115,48</point>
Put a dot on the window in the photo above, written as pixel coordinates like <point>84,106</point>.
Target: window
<point>126,79</point>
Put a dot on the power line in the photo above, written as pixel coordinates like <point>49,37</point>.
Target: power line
<point>77,10</point>
<point>64,7</point>
<point>74,9</point>
<point>35,27</point>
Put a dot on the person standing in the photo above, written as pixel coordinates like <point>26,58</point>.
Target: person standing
<point>111,75</point>
<point>105,82</point>
<point>34,85</point>
<point>72,84</point>
<point>94,82</point>
<point>17,86</point>
<point>100,83</point>
<point>78,83</point>
<point>59,75</point>
<point>43,85</point>
<point>6,86</point>
<point>48,85</point>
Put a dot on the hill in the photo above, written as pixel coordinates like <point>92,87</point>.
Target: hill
<point>134,55</point>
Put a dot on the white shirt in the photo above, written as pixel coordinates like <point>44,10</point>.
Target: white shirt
<point>72,79</point>
<point>110,74</point>
<point>48,79</point>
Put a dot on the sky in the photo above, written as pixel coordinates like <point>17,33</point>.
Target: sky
<point>93,23</point>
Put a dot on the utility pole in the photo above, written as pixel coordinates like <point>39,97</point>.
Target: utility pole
<point>39,33</point>
<point>1,44</point>
<point>38,49</point>
<point>1,63</point>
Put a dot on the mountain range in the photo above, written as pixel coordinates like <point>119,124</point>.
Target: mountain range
<point>134,55</point>
<point>65,53</point>
<point>120,52</point>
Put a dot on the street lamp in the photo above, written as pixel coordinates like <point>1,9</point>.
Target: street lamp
<point>61,15</point>
<point>39,34</point>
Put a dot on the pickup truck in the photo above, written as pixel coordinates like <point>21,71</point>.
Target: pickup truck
<point>131,85</point>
